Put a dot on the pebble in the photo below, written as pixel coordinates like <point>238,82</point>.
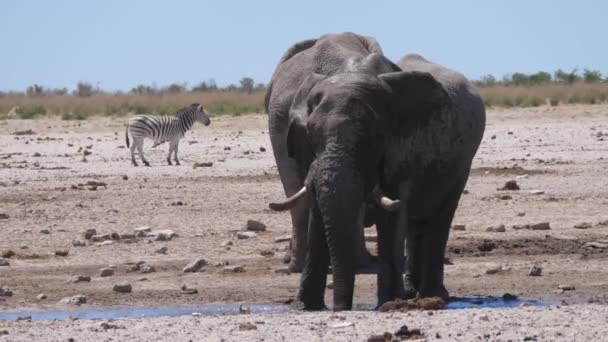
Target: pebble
<point>105,243</point>
<point>234,269</point>
<point>247,326</point>
<point>195,265</point>
<point>566,287</point>
<point>41,296</point>
<point>493,269</point>
<point>89,233</point>
<point>80,279</point>
<point>340,325</point>
<point>535,271</point>
<point>162,235</point>
<point>79,243</point>
<point>246,235</point>
<point>106,272</point>
<point>162,250</point>
<point>484,318</point>
<point>510,185</point>
<point>536,192</point>
<point>45,231</point>
<point>582,225</point>
<point>189,290</point>
<point>521,213</point>
<point>147,268</point>
<point>499,228</point>
<point>282,239</point>
<point>255,226</point>
<point>74,300</point>
<point>8,254</point>
<point>122,287</point>
<point>227,243</point>
<point>62,252</point>
<point>597,244</point>
<point>101,237</point>
<point>284,270</point>
<point>5,292</point>
<point>459,227</point>
<point>141,231</point>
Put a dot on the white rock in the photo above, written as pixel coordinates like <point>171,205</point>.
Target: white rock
<point>596,244</point>
<point>246,235</point>
<point>536,192</point>
<point>4,262</point>
<point>344,324</point>
<point>566,287</point>
<point>141,231</point>
<point>41,296</point>
<point>493,268</point>
<point>234,269</point>
<point>499,228</point>
<point>281,239</point>
<point>195,265</point>
<point>162,235</point>
<point>74,300</point>
<point>147,268</point>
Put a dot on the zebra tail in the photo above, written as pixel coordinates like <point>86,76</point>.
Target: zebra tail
<point>127,135</point>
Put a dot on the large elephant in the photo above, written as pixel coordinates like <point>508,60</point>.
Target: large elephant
<point>372,128</point>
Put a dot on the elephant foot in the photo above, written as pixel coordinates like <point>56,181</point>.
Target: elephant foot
<point>409,288</point>
<point>295,267</point>
<point>438,291</point>
<point>146,163</point>
<point>302,306</point>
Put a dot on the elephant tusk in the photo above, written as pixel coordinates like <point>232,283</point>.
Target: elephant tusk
<point>288,203</point>
<point>385,202</point>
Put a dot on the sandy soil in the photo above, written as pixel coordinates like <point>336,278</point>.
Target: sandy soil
<point>562,151</point>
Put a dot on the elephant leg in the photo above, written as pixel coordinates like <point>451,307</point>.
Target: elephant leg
<point>413,263</point>
<point>364,259</point>
<point>433,244</point>
<point>314,275</point>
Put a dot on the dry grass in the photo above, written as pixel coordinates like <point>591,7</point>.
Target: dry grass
<point>545,94</point>
<point>74,107</point>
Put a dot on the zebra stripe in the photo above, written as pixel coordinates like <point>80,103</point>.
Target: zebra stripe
<point>163,128</point>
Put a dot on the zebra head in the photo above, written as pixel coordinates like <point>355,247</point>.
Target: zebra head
<point>200,115</point>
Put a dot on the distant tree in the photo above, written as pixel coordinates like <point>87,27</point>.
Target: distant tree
<point>519,78</point>
<point>144,89</point>
<point>84,89</point>
<point>592,76</point>
<point>35,90</point>
<point>487,80</point>
<point>176,88</point>
<point>540,77</point>
<point>260,87</point>
<point>247,84</point>
<point>205,86</point>
<point>231,87</point>
<point>506,79</point>
<point>566,77</point>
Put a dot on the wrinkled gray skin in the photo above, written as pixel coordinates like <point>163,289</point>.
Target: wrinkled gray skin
<point>345,119</point>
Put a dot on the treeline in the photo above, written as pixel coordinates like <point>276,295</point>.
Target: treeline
<point>542,77</point>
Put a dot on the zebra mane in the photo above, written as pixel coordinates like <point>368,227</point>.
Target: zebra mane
<point>186,110</point>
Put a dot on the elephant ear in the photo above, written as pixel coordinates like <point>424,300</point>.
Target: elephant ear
<point>298,146</point>
<point>416,96</point>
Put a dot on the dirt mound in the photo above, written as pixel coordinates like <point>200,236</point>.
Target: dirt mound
<point>429,303</point>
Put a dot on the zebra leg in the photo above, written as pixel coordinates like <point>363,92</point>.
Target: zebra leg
<point>175,152</point>
<point>169,155</point>
<point>140,148</point>
<point>133,147</point>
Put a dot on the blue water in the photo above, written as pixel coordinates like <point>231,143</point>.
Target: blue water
<point>234,308</point>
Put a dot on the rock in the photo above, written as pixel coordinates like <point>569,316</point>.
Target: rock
<point>5,292</point>
<point>147,268</point>
<point>486,246</point>
<point>122,287</point>
<point>596,244</point>
<point>62,252</point>
<point>247,326</point>
<point>202,164</point>
<point>284,270</point>
<point>125,177</point>
<point>40,297</point>
<point>234,269</point>
<point>541,226</point>
<point>126,236</point>
<point>521,213</point>
<point>162,235</point>
<point>4,216</point>
<point>493,269</point>
<point>582,225</point>
<point>282,239</point>
<point>74,300</point>
<point>101,238</point>
<point>459,227</point>
<point>340,325</point>
<point>195,265</point>
<point>24,132</point>
<point>255,226</point>
<point>484,318</point>
<point>79,243</point>
<point>189,290</point>
<point>505,197</point>
<point>246,235</point>
<point>105,243</point>
<point>267,253</point>
<point>536,192</point>
<point>141,231</point>
<point>80,279</point>
<point>535,271</point>
<point>566,287</point>
<point>107,326</point>
<point>106,272</point>
<point>89,233</point>
<point>262,149</point>
<point>45,231</point>
<point>4,262</point>
<point>510,185</point>
<point>8,254</point>
<point>227,243</point>
<point>162,250</point>
<point>603,223</point>
<point>24,318</point>
<point>499,228</point>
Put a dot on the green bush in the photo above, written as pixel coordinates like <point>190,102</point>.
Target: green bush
<point>114,111</point>
<point>77,114</point>
<point>30,112</point>
<point>166,109</point>
<point>138,108</point>
<point>554,102</point>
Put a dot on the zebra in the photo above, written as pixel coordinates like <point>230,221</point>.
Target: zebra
<point>163,128</point>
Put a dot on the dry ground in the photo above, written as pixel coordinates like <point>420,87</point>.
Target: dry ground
<point>562,151</point>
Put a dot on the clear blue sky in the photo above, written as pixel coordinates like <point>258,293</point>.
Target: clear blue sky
<point>118,44</point>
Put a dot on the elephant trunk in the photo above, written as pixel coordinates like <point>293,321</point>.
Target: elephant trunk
<point>339,193</point>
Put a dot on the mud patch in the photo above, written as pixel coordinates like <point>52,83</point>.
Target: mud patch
<point>431,303</point>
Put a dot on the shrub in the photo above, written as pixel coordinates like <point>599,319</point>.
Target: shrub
<point>553,101</point>
<point>138,108</point>
<point>77,114</point>
<point>84,89</point>
<point>166,109</point>
<point>30,112</point>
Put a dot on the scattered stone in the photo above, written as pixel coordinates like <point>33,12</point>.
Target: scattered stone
<point>4,216</point>
<point>340,325</point>
<point>4,262</point>
<point>107,326</point>
<point>509,297</point>
<point>505,197</point>
<point>45,231</point>
<point>203,164</point>
<point>79,243</point>
<point>267,253</point>
<point>189,290</point>
<point>541,226</point>
<point>62,252</point>
<point>566,287</point>
<point>535,271</point>
<point>24,318</point>
<point>234,269</point>
<point>177,203</point>
<point>106,272</point>
<point>3,332</point>
<point>125,177</point>
<point>122,287</point>
<point>89,233</point>
<point>104,243</point>
<point>408,334</point>
<point>5,292</point>
<point>80,279</point>
<point>246,235</point>
<point>162,250</point>
<point>427,303</point>
<point>603,223</point>
<point>582,225</point>
<point>24,132</point>
<point>227,243</point>
<point>195,265</point>
<point>499,228</point>
<point>597,244</point>
<point>262,149</point>
<point>493,269</point>
<point>484,318</point>
<point>459,227</point>
<point>162,235</point>
<point>521,214</point>
<point>386,337</point>
<point>147,268</point>
<point>284,270</point>
<point>510,185</point>
<point>40,297</point>
<point>282,239</point>
<point>74,300</point>
<point>255,226</point>
<point>486,246</point>
<point>536,192</point>
<point>142,231</point>
<point>247,326</point>
<point>8,254</point>
<point>101,237</point>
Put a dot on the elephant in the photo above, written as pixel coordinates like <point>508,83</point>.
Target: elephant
<point>361,129</point>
